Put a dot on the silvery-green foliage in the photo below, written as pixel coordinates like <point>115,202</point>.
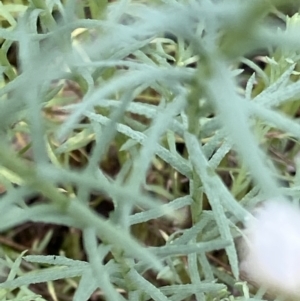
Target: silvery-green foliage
<point>114,59</point>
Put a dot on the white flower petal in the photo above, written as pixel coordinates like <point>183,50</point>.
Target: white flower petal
<point>273,247</point>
